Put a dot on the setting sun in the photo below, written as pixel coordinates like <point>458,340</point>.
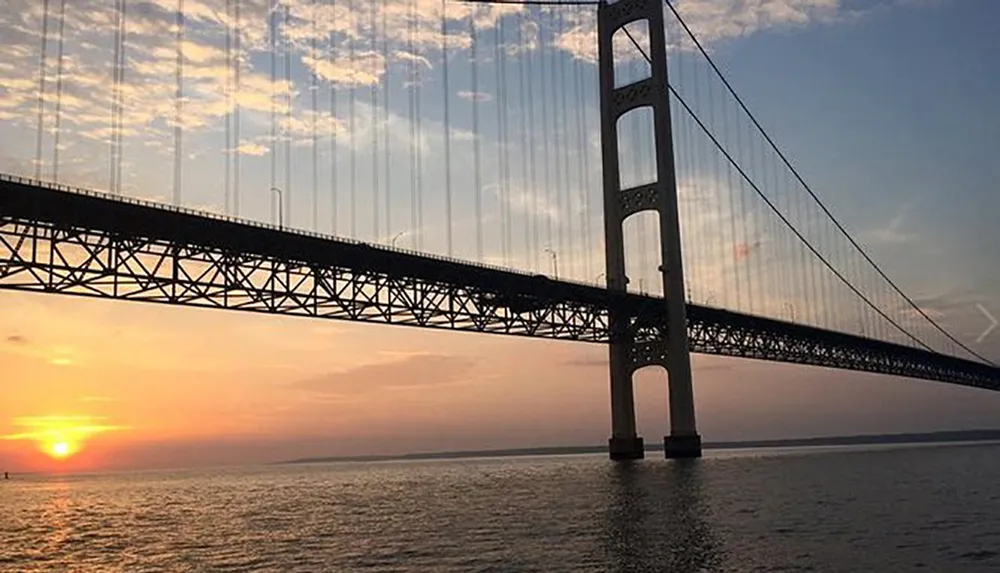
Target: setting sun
<point>60,450</point>
<point>60,437</point>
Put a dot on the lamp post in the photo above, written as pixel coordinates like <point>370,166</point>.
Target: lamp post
<point>861,318</point>
<point>396,237</point>
<point>281,217</point>
<point>555,261</point>
<point>791,310</point>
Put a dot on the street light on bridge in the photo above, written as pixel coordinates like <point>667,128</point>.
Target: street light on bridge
<point>791,310</point>
<point>281,216</point>
<point>396,237</point>
<point>555,262</point>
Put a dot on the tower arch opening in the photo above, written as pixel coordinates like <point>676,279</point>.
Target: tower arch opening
<point>636,136</point>
<point>630,65</point>
<point>643,256</point>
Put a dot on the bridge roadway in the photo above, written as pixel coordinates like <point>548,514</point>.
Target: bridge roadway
<point>56,239</point>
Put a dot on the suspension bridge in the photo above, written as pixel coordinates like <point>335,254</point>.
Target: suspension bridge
<point>565,171</point>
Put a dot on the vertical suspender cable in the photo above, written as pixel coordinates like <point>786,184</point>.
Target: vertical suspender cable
<point>757,159</point>
<point>535,213</point>
<point>179,102</point>
<point>559,131</point>
<point>237,138</point>
<point>123,38</point>
<point>41,88</point>
<point>288,134</point>
<point>571,207</point>
<point>117,99</point>
<point>582,166</point>
<point>733,234</point>
<point>377,125</point>
<point>353,131</point>
<point>334,128</point>
<point>412,81</point>
<point>695,181</point>
<point>418,105</point>
<point>524,152</point>
<point>447,123</point>
<point>505,143</point>
<point>476,151</point>
<point>314,88</point>
<point>639,147</point>
<point>273,33</point>
<point>747,242</point>
<point>56,132</point>
<point>228,147</point>
<point>682,147</point>
<point>545,129</point>
<point>716,180</point>
<point>386,164</point>
<point>775,243</point>
<point>500,105</point>
<point>115,86</point>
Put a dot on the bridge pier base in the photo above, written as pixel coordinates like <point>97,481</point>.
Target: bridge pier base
<point>622,449</point>
<point>679,447</point>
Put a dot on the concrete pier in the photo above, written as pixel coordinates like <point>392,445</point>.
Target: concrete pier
<point>677,447</point>
<point>626,448</point>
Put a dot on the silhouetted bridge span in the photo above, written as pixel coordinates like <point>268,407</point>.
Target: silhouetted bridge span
<point>695,198</point>
<point>59,240</point>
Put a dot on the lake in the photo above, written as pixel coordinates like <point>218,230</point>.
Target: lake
<point>889,508</point>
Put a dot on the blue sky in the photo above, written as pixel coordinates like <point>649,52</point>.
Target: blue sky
<point>887,109</point>
<point>893,119</point>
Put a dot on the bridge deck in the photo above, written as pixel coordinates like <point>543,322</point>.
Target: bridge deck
<point>59,240</point>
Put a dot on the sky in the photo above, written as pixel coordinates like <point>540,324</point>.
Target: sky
<point>886,108</point>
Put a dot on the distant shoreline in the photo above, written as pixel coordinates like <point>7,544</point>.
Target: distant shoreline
<point>869,439</point>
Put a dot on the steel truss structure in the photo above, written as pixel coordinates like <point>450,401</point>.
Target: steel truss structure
<point>58,240</point>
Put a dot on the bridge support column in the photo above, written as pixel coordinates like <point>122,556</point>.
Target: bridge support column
<point>624,443</point>
<point>661,197</point>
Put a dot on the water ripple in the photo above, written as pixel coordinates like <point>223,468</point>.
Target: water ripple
<point>845,511</point>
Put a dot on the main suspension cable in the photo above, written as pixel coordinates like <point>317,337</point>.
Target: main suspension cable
<point>743,174</point>
<point>813,195</point>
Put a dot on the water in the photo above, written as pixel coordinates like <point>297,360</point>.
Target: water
<point>881,509</point>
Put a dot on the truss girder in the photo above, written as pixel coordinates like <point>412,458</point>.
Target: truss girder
<point>41,257</point>
<point>58,241</point>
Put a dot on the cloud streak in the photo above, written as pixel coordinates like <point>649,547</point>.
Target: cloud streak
<point>403,372</point>
<point>50,428</point>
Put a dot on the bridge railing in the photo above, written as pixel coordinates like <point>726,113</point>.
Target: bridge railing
<point>4,177</point>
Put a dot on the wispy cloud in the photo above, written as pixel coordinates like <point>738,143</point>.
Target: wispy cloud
<point>16,340</point>
<point>48,428</point>
<point>892,232</point>
<point>474,96</point>
<point>404,371</point>
<point>97,399</point>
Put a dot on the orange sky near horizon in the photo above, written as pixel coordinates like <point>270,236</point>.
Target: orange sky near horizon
<point>168,387</point>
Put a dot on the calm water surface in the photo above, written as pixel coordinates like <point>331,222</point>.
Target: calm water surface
<point>886,509</point>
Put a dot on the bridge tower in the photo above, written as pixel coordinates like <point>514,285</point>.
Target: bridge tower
<point>627,354</point>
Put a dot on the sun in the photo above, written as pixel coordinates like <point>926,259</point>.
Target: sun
<point>60,437</point>
<point>61,449</point>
